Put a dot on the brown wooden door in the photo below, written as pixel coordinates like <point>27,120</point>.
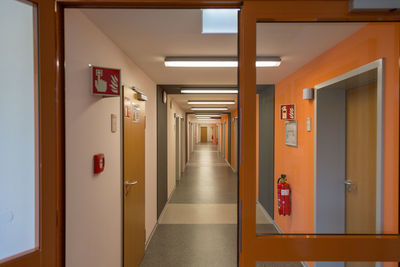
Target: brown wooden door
<point>361,159</point>
<point>360,189</point>
<point>204,134</point>
<point>134,179</point>
<point>39,192</point>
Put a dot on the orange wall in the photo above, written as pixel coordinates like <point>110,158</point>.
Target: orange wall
<point>374,41</point>
<point>233,115</point>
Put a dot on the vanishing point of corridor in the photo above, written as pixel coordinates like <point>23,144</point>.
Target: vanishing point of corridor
<point>198,225</point>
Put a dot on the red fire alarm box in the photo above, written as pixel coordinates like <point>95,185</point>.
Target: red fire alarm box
<point>99,163</point>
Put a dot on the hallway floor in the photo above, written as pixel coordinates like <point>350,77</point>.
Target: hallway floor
<point>198,225</point>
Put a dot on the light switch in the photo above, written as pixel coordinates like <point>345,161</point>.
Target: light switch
<point>308,124</point>
<point>113,123</point>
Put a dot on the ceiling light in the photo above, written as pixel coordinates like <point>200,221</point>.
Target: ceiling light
<point>209,91</point>
<point>206,119</point>
<point>208,115</point>
<point>222,62</point>
<point>204,102</point>
<point>219,108</point>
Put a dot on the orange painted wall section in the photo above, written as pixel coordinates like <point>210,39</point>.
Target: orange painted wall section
<point>374,41</point>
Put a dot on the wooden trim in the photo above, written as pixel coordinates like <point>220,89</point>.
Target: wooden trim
<point>32,259</point>
<point>150,3</point>
<point>299,247</point>
<point>51,137</point>
<point>60,88</point>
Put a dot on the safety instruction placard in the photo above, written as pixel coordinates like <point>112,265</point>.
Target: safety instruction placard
<point>288,112</point>
<point>105,81</point>
<point>135,113</point>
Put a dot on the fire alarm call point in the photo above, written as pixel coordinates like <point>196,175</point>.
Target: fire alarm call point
<point>99,163</point>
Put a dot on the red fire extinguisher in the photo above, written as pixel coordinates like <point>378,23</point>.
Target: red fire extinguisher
<point>284,198</point>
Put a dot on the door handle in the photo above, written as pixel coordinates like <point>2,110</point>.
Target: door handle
<point>348,184</point>
<point>127,185</point>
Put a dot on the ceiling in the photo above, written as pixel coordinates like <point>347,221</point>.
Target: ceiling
<point>182,99</point>
<point>147,36</point>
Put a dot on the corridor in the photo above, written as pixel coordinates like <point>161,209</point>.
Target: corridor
<point>198,225</point>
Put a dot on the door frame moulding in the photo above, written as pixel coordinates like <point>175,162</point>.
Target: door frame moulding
<point>251,248</point>
<point>377,65</point>
<point>298,247</point>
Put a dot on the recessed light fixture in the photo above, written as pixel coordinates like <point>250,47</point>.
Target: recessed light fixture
<point>208,102</point>
<point>208,115</point>
<point>209,91</point>
<point>221,62</point>
<point>207,109</point>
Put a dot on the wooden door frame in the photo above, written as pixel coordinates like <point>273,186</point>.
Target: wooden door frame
<point>296,247</point>
<point>251,247</point>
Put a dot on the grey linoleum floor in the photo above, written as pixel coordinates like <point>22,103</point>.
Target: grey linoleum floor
<point>198,225</point>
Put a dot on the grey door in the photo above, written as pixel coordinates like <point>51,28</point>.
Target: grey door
<point>266,147</point>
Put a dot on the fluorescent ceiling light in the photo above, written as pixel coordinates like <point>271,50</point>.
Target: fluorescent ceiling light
<point>216,102</point>
<point>221,62</point>
<point>219,21</point>
<point>208,115</point>
<point>211,91</point>
<point>218,108</point>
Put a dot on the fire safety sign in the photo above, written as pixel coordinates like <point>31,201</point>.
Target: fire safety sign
<point>288,112</point>
<point>105,81</point>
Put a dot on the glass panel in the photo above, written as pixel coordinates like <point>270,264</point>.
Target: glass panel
<point>19,133</point>
<point>326,160</point>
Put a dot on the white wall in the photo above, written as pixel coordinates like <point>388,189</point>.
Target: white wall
<point>171,146</point>
<point>94,203</point>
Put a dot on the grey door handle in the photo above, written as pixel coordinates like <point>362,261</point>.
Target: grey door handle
<point>349,185</point>
<point>348,182</point>
<point>127,185</point>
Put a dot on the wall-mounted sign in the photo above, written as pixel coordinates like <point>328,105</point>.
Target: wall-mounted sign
<point>135,113</point>
<point>291,133</point>
<point>127,104</point>
<point>288,112</point>
<point>105,81</point>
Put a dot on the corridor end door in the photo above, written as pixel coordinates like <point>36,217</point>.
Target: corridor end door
<point>204,134</point>
<point>134,178</point>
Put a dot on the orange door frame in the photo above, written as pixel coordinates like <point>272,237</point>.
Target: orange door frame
<point>251,247</point>
<point>293,247</point>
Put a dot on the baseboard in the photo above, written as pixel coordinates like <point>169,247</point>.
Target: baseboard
<point>151,234</point>
<point>161,215</point>
<point>275,225</point>
<point>227,162</point>
<point>269,217</point>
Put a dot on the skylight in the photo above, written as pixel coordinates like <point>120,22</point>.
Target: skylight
<point>220,21</point>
